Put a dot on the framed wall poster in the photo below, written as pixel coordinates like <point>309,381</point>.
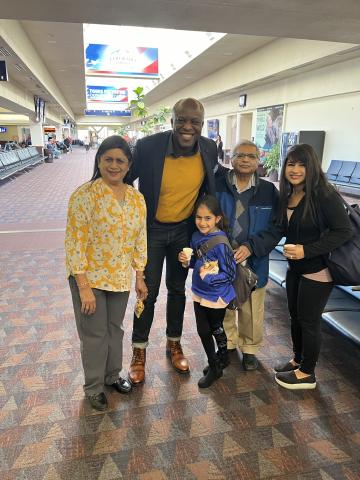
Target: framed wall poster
<point>269,121</point>
<point>213,128</point>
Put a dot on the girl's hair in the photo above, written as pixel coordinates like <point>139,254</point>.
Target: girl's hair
<point>115,141</point>
<point>212,204</point>
<point>315,181</point>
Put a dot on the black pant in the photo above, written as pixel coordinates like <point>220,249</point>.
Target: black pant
<point>164,241</point>
<point>306,301</point>
<point>209,324</point>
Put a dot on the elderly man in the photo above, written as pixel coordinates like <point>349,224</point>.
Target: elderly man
<point>173,168</point>
<point>249,203</point>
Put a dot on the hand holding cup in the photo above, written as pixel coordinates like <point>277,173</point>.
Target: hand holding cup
<point>185,256</point>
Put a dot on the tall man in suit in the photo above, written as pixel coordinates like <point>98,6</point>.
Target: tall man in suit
<point>173,169</point>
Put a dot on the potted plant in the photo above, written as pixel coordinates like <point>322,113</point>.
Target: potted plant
<point>272,162</point>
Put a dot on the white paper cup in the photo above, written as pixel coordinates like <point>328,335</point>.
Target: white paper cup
<point>188,252</point>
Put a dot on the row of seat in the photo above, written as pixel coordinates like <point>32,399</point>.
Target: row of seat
<point>342,310</point>
<point>17,160</point>
<point>345,175</point>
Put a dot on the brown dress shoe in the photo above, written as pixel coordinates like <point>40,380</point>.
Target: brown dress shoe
<point>175,353</point>
<point>137,367</point>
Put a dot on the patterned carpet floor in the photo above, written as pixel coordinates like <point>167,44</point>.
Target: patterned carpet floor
<point>244,427</point>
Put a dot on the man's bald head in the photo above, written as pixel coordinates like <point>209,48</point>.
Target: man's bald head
<point>187,122</point>
<point>191,103</point>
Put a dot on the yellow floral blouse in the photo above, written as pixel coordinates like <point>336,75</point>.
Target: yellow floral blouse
<point>105,238</point>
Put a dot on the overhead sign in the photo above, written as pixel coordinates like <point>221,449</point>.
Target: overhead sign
<point>3,129</point>
<point>121,61</point>
<point>95,93</point>
<point>109,113</point>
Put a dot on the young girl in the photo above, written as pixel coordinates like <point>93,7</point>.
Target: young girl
<point>213,275</point>
<point>305,197</point>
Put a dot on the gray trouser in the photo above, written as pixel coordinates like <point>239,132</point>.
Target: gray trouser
<point>101,337</point>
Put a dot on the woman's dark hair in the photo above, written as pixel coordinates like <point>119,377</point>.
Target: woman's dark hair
<point>213,205</point>
<point>115,141</point>
<point>315,180</point>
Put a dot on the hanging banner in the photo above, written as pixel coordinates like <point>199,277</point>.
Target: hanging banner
<point>109,113</point>
<point>269,122</point>
<point>121,61</point>
<point>95,93</point>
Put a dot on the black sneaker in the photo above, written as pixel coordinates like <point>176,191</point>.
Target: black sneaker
<point>249,361</point>
<point>122,385</point>
<point>290,381</point>
<point>98,401</point>
<point>285,367</point>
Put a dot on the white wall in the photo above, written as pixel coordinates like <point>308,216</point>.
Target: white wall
<point>339,116</point>
<point>327,98</point>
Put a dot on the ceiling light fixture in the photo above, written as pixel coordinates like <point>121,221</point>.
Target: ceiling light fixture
<point>4,52</point>
<point>19,67</point>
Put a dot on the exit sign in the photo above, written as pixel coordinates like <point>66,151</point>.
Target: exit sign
<point>3,129</point>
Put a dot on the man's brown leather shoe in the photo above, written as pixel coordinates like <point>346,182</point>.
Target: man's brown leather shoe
<point>137,367</point>
<point>175,353</point>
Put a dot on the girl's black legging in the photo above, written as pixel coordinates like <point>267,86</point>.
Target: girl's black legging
<point>306,302</point>
<point>209,323</point>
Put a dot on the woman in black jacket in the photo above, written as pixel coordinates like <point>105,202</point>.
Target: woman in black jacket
<point>315,223</point>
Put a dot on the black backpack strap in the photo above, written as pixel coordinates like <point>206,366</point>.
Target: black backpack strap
<point>209,244</point>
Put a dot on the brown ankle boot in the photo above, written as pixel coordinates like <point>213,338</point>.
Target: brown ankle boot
<point>175,353</point>
<point>137,367</point>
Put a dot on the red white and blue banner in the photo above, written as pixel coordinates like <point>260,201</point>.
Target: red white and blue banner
<point>104,93</point>
<point>121,61</point>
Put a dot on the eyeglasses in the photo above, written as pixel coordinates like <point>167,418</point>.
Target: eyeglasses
<point>252,156</point>
<point>196,122</point>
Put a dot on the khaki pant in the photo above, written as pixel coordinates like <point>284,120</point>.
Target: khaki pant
<point>244,328</point>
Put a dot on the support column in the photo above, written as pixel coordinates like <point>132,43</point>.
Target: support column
<point>238,127</point>
<point>59,133</point>
<point>36,132</point>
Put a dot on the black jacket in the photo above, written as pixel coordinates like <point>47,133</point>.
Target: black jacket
<point>148,165</point>
<point>308,231</point>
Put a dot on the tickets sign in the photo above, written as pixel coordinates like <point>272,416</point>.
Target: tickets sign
<point>95,93</point>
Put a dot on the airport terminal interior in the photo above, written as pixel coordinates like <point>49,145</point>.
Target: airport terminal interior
<point>277,73</point>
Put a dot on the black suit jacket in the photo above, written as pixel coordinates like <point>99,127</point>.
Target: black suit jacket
<point>148,165</point>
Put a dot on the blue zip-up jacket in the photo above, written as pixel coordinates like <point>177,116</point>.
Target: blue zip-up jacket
<point>217,285</point>
<point>263,234</point>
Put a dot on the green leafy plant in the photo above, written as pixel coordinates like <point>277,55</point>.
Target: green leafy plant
<point>137,105</point>
<point>139,110</point>
<point>272,159</point>
<point>160,117</point>
<point>122,129</point>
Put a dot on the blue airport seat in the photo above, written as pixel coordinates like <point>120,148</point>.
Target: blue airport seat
<point>345,172</point>
<point>342,310</point>
<point>334,169</point>
<point>355,177</point>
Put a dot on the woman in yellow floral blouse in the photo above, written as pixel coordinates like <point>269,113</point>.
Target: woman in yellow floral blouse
<point>105,240</point>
